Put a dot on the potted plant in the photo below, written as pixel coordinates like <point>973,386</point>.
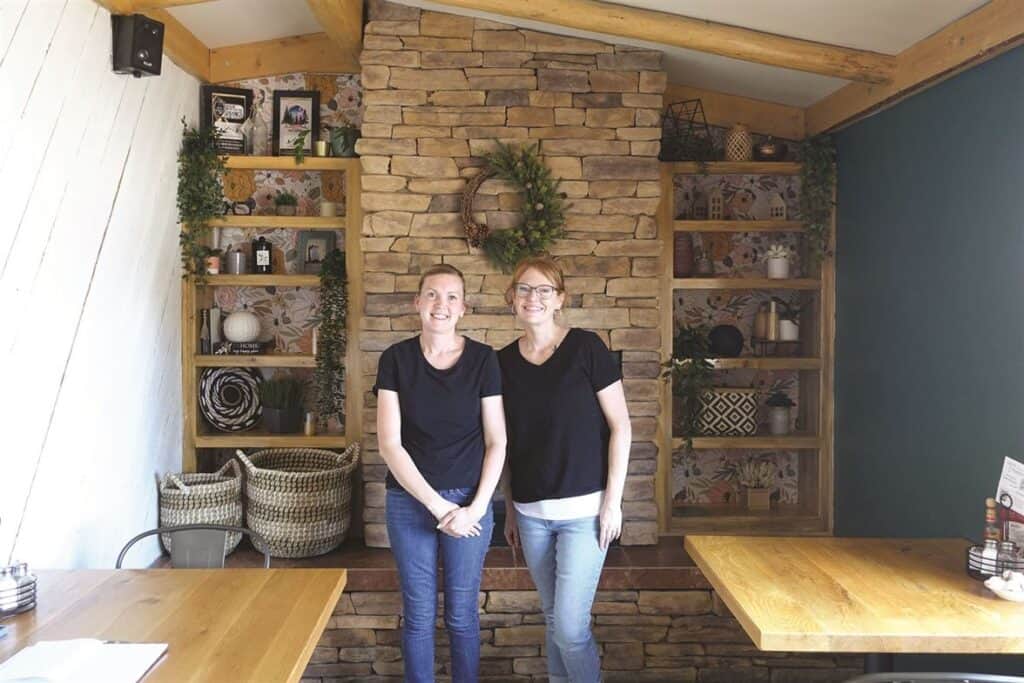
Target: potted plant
<point>776,261</point>
<point>282,404</point>
<point>779,405</point>
<point>343,139</point>
<point>789,319</point>
<point>200,197</point>
<point>692,376</point>
<point>757,477</point>
<point>285,203</point>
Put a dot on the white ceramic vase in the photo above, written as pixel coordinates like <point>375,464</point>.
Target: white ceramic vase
<point>788,331</point>
<point>778,420</point>
<point>778,268</point>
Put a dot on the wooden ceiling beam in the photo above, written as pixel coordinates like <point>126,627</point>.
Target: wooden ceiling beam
<point>695,34</point>
<point>180,45</point>
<point>342,20</point>
<point>143,5</point>
<point>315,52</point>
<point>720,109</point>
<point>988,31</point>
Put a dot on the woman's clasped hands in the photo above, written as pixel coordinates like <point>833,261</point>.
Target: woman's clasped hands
<point>460,522</point>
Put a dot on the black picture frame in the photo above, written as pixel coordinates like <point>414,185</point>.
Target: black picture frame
<point>227,109</point>
<point>295,110</point>
<point>313,247</point>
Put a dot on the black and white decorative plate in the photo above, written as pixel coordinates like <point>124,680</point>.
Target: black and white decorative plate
<point>229,398</point>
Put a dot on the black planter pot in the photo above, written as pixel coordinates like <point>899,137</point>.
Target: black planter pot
<point>282,421</point>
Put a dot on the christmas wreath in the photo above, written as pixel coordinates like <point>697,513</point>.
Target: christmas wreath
<point>543,207</point>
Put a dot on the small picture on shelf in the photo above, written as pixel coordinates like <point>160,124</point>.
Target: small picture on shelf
<point>296,113</point>
<point>314,245</point>
<point>227,110</point>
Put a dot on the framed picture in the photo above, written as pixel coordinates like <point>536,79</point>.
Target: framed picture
<point>314,246</point>
<point>294,112</point>
<point>225,109</point>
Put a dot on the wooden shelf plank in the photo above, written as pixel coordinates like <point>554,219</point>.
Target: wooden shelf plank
<point>737,167</point>
<point>737,226</point>
<point>289,222</point>
<point>258,439</point>
<point>275,360</point>
<point>766,363</point>
<point>287,163</point>
<point>254,280</point>
<point>736,519</point>
<point>765,441</point>
<point>744,283</point>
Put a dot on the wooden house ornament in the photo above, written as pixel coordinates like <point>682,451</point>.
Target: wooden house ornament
<point>700,206</point>
<point>777,208</point>
<point>716,205</point>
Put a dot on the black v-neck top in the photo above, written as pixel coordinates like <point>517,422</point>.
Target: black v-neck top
<point>442,422</point>
<point>557,433</point>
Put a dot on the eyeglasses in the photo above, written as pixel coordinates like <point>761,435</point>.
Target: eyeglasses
<point>545,292</point>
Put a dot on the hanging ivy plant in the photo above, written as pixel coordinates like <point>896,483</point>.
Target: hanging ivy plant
<point>329,376</point>
<point>692,376</point>
<point>543,207</point>
<point>200,197</point>
<point>817,185</point>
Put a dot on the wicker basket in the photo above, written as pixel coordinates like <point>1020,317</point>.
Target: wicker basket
<point>202,499</point>
<point>299,499</point>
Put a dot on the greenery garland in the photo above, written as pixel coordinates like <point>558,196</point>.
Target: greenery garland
<point>332,340</point>
<point>200,197</point>
<point>543,207</point>
<point>692,376</point>
<point>817,187</point>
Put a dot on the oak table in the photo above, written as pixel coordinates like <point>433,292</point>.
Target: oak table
<point>219,624</point>
<point>858,595</point>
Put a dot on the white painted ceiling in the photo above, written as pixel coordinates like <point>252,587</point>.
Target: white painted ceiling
<point>887,26</point>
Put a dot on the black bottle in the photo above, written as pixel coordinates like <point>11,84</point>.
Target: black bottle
<point>261,256</point>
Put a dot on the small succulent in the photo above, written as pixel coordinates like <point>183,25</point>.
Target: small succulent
<point>285,198</point>
<point>778,399</point>
<point>777,251</point>
<point>756,474</point>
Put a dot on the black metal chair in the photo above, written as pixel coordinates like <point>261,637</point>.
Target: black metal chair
<point>934,678</point>
<point>198,546</point>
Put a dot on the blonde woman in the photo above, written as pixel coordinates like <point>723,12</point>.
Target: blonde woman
<point>441,429</point>
<point>568,446</point>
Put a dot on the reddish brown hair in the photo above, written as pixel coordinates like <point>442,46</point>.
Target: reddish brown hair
<point>545,265</point>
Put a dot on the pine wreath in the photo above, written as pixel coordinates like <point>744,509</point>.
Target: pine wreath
<point>543,207</point>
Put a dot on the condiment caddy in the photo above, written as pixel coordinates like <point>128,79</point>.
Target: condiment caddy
<point>17,589</point>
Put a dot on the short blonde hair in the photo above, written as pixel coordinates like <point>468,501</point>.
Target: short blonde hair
<point>545,265</point>
<point>442,269</point>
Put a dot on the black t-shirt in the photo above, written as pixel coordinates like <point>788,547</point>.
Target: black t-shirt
<point>557,432</point>
<point>442,426</point>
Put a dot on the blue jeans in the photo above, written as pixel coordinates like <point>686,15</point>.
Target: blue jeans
<point>415,542</point>
<point>565,561</point>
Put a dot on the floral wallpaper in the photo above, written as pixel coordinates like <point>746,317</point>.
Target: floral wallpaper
<point>709,476</point>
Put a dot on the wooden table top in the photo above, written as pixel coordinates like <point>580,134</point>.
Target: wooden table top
<point>858,595</point>
<point>219,624</point>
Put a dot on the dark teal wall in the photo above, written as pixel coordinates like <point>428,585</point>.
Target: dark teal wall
<point>930,311</point>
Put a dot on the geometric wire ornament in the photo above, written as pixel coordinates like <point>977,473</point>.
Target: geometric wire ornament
<point>685,135</point>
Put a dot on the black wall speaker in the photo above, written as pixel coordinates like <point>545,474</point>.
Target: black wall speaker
<point>138,44</point>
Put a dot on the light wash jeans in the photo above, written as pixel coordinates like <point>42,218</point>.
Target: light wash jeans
<point>565,561</point>
<point>415,543</point>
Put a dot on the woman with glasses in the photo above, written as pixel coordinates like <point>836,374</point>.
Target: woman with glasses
<point>441,430</point>
<point>568,446</point>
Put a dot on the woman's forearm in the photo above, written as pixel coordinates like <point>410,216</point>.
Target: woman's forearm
<point>408,476</point>
<point>490,474</point>
<point>618,463</point>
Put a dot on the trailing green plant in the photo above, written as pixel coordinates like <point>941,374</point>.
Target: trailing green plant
<point>285,198</point>
<point>788,310</point>
<point>200,197</point>
<point>779,399</point>
<point>283,393</point>
<point>329,376</point>
<point>817,186</point>
<point>299,148</point>
<point>543,207</point>
<point>692,376</point>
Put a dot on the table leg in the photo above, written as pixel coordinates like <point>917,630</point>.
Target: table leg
<point>877,663</point>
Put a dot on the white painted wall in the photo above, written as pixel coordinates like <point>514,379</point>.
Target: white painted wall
<point>90,390</point>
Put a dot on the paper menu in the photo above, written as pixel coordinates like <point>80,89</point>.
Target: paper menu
<point>1010,491</point>
<point>83,661</point>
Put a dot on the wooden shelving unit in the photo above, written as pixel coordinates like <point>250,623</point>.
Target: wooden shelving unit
<point>814,368</point>
<point>194,297</point>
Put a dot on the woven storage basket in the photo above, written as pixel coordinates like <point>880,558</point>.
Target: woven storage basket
<point>203,499</point>
<point>299,499</point>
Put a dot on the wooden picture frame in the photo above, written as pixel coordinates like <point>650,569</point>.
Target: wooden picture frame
<point>295,111</point>
<point>313,247</point>
<point>227,109</point>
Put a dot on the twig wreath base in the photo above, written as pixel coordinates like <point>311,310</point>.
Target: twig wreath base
<point>543,209</point>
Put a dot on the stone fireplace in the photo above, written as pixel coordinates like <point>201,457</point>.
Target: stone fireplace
<point>440,90</point>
